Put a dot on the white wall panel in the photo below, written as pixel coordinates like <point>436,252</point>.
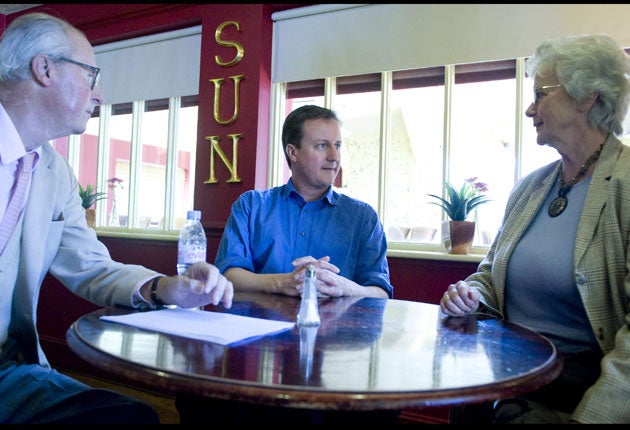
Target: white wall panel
<point>339,40</point>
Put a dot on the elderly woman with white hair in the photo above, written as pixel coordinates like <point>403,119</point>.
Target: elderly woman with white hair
<point>559,264</point>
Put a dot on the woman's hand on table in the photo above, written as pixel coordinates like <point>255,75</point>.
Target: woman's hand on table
<point>459,299</point>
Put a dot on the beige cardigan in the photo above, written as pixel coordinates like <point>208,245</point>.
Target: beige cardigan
<point>601,270</point>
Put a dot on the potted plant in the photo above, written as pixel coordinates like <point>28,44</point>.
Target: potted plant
<point>89,197</point>
<point>458,233</point>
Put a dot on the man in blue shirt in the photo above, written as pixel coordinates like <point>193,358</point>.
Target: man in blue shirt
<point>272,235</point>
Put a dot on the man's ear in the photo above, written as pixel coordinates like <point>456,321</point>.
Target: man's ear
<point>290,150</point>
<point>41,69</point>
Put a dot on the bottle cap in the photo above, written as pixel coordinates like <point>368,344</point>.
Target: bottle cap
<point>193,215</point>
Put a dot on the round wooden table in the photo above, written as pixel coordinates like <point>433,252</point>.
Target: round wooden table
<point>367,354</point>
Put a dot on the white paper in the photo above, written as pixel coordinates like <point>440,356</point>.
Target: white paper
<point>217,327</point>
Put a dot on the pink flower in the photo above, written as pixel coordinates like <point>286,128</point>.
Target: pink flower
<point>115,183</point>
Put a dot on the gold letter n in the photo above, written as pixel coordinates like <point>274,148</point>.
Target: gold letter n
<point>232,167</point>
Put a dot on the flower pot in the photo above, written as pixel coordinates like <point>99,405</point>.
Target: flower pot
<point>90,217</point>
<point>457,236</point>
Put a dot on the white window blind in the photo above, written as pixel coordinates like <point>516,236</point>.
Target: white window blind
<point>151,67</point>
<point>341,40</point>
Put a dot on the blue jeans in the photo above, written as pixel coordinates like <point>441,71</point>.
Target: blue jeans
<point>32,393</point>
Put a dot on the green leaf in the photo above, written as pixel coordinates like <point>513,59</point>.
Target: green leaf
<point>458,204</point>
<point>89,196</point>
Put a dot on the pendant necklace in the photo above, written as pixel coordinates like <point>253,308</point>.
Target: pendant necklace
<point>557,205</point>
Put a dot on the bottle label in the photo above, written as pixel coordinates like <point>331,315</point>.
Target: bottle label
<point>191,255</point>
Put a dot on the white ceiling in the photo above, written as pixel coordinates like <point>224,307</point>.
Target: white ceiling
<point>6,9</point>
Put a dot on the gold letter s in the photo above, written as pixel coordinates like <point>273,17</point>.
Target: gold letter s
<point>240,51</point>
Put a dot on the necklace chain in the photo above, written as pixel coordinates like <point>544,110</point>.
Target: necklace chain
<point>557,205</point>
<point>565,188</point>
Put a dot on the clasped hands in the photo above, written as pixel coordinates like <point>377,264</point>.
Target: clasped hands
<point>329,282</point>
<point>459,299</point>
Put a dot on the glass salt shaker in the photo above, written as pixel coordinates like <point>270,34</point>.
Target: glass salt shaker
<point>308,315</point>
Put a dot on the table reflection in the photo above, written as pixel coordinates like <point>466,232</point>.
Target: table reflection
<point>459,353</point>
<point>308,334</point>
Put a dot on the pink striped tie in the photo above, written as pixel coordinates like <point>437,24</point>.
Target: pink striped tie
<point>16,203</point>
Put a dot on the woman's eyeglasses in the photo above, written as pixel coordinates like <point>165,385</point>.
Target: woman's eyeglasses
<point>541,91</point>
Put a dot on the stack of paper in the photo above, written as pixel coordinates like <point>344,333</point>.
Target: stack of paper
<point>217,327</point>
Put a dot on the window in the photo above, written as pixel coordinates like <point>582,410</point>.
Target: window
<point>464,118</point>
<point>140,146</point>
<point>406,132</point>
<point>141,141</point>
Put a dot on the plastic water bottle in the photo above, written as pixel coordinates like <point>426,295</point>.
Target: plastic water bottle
<point>192,242</point>
<point>308,315</point>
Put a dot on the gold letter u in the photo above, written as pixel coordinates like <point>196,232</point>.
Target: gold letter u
<point>217,98</point>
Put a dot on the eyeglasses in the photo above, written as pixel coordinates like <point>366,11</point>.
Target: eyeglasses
<point>540,92</point>
<point>95,71</point>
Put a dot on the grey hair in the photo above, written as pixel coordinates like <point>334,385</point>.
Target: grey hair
<point>587,64</point>
<point>30,35</point>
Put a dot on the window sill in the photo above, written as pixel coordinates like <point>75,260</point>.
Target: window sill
<point>418,251</point>
<point>433,252</point>
<point>140,233</point>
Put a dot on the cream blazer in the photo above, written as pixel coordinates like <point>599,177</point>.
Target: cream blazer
<point>601,267</point>
<point>56,239</point>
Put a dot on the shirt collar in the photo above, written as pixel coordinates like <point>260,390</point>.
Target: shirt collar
<point>11,145</point>
<point>331,196</point>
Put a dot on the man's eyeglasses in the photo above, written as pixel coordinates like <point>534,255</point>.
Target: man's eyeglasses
<point>96,72</point>
<point>541,91</point>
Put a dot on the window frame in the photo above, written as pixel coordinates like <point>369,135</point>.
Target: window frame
<point>168,230</point>
<point>484,71</point>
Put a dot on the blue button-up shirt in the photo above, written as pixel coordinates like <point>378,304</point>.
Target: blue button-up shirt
<point>268,229</point>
